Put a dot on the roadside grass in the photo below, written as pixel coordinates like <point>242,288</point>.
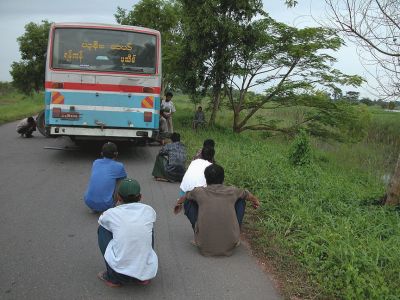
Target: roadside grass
<point>319,225</point>
<point>14,106</point>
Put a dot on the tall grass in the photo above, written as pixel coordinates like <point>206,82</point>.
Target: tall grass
<point>319,223</point>
<point>15,106</point>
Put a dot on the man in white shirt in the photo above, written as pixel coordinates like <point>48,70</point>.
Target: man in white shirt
<point>167,110</point>
<point>194,177</point>
<point>126,238</point>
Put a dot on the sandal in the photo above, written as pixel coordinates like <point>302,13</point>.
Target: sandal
<point>103,277</point>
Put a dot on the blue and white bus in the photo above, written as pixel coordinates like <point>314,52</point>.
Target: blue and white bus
<point>102,81</point>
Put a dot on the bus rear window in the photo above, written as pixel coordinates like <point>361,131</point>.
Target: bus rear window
<point>104,50</point>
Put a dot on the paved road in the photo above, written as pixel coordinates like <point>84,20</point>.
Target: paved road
<point>48,237</point>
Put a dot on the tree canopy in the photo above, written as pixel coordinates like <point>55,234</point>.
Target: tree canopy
<point>29,74</point>
<point>212,31</point>
<point>163,16</point>
<point>295,68</point>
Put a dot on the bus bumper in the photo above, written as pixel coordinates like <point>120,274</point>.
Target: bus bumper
<point>103,133</point>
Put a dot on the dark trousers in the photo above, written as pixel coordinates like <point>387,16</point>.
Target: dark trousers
<point>173,173</point>
<point>192,210</point>
<point>104,237</point>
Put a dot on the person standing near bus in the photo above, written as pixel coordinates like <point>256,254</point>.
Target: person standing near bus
<point>167,110</point>
<point>106,173</point>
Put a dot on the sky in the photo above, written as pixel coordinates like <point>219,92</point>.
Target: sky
<point>15,14</point>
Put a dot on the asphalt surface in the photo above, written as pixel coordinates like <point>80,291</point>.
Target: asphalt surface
<point>48,236</point>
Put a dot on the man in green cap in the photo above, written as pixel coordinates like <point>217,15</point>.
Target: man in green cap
<point>126,238</point>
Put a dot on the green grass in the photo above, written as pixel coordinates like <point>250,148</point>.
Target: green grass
<point>319,225</point>
<point>14,106</point>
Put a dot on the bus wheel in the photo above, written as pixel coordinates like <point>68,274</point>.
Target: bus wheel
<point>40,124</point>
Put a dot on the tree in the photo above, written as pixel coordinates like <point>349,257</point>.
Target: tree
<point>29,74</point>
<point>211,34</point>
<point>373,25</point>
<point>352,96</point>
<point>391,105</point>
<point>367,101</point>
<point>291,3</point>
<point>163,16</point>
<point>292,63</point>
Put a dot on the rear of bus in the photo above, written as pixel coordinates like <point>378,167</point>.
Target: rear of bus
<point>103,82</point>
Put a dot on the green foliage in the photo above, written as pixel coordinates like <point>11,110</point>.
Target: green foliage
<point>6,88</point>
<point>316,113</point>
<point>319,220</point>
<point>384,128</point>
<point>352,96</point>
<point>29,74</point>
<point>300,152</point>
<point>294,64</point>
<point>391,105</point>
<point>212,31</point>
<point>163,16</point>
<point>353,121</point>
<point>316,213</point>
<point>14,106</point>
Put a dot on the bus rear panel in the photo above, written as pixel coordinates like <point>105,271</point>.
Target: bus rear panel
<point>103,81</point>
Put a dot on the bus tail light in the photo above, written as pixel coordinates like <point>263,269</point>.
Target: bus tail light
<point>56,112</point>
<point>148,116</point>
<point>149,90</point>
<point>57,85</point>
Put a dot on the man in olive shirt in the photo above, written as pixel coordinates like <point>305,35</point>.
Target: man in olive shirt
<point>220,213</point>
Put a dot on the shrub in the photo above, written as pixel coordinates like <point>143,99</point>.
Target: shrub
<point>300,152</point>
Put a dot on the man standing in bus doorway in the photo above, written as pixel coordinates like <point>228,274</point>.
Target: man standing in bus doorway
<point>167,110</point>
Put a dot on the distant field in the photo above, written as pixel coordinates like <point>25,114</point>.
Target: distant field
<point>14,106</point>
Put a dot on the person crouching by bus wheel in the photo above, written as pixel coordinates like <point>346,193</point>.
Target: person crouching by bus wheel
<point>166,112</point>
<point>170,161</point>
<point>26,127</point>
<point>126,238</point>
<point>106,173</point>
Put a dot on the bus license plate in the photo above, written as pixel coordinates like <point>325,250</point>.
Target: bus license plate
<point>70,115</point>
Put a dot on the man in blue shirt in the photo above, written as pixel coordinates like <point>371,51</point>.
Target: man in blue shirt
<point>106,172</point>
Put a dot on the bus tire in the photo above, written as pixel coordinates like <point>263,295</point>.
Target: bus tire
<point>41,126</point>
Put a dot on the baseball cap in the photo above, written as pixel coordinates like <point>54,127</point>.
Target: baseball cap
<point>129,187</point>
